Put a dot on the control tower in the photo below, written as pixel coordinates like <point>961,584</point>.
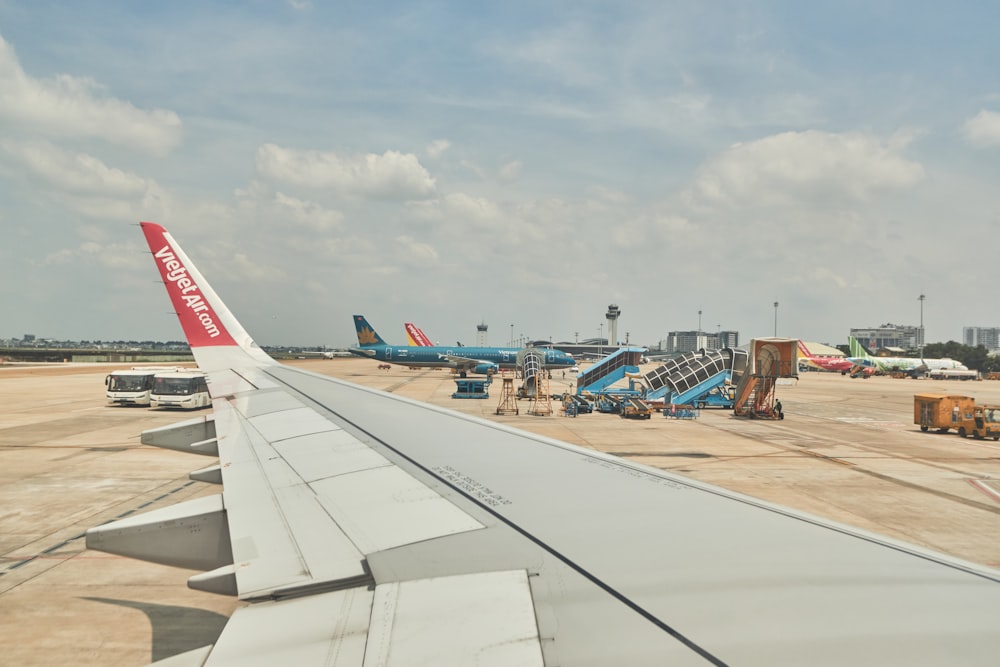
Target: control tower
<point>612,316</point>
<point>481,334</point>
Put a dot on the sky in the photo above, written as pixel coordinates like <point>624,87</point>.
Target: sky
<point>518,164</point>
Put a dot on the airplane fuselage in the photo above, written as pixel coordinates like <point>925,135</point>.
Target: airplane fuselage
<point>907,363</point>
<point>456,357</point>
<point>831,363</point>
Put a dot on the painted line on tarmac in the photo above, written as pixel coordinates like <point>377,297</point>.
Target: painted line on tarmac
<point>985,488</point>
<point>20,561</point>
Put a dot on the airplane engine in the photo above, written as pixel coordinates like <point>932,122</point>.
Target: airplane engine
<point>485,369</point>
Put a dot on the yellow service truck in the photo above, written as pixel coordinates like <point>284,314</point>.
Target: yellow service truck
<point>946,411</point>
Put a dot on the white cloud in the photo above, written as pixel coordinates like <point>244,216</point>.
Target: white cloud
<point>511,171</point>
<point>415,253</point>
<point>68,106</point>
<point>243,269</point>
<point>392,175</point>
<point>983,129</point>
<point>85,184</point>
<point>796,167</point>
<point>114,256</point>
<point>473,211</point>
<point>74,172</point>
<point>438,147</point>
<point>307,213</point>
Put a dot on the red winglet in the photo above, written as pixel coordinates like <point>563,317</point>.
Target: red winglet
<point>202,325</point>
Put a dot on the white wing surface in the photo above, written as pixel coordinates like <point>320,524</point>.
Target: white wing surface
<point>366,529</point>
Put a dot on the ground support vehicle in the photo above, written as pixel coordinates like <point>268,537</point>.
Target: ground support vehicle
<point>187,390</point>
<point>578,404</point>
<point>674,411</point>
<point>986,422</point>
<point>133,386</point>
<point>945,412</point>
<point>469,388</point>
<point>942,411</point>
<point>633,407</point>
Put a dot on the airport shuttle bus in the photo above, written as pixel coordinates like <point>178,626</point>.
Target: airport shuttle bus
<point>134,385</point>
<point>185,391</point>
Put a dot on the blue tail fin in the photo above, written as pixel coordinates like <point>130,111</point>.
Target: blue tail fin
<point>367,336</point>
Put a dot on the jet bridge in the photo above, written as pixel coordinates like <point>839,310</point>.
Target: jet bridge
<point>612,368</point>
<point>698,378</point>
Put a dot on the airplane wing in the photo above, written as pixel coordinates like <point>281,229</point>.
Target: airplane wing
<point>463,362</point>
<point>362,528</point>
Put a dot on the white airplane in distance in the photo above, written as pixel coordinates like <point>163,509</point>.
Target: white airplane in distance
<point>365,528</point>
<point>911,365</point>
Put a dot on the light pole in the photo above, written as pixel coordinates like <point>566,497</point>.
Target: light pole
<point>512,335</point>
<point>775,319</point>
<point>921,346</point>
<point>600,339</point>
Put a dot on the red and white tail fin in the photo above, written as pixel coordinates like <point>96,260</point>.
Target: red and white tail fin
<point>416,336</point>
<point>803,350</point>
<point>216,338</point>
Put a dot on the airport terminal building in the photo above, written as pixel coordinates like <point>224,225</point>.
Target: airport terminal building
<point>889,336</point>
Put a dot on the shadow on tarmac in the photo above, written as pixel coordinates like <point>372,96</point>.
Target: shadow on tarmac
<point>175,629</point>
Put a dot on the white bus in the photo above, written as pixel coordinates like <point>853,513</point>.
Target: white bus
<point>186,390</point>
<point>132,386</point>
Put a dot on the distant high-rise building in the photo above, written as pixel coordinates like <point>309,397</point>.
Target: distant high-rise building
<point>678,342</point>
<point>988,337</point>
<point>890,335</point>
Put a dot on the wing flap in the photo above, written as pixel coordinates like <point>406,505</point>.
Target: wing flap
<point>306,500</point>
<point>463,361</point>
<point>484,619</point>
<point>329,629</point>
<point>282,537</point>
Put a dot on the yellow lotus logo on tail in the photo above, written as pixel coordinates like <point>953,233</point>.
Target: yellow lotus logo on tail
<point>367,337</point>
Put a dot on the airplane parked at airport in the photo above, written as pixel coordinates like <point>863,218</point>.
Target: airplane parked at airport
<point>358,526</point>
<point>464,359</point>
<point>839,364</point>
<point>416,336</point>
<point>911,365</point>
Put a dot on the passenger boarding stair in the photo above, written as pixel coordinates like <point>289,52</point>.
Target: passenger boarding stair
<point>536,383</point>
<point>612,368</point>
<point>698,378</point>
<point>770,359</point>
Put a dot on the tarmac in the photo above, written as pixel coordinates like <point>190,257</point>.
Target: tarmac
<point>847,451</point>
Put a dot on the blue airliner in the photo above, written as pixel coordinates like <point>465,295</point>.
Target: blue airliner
<point>482,360</point>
